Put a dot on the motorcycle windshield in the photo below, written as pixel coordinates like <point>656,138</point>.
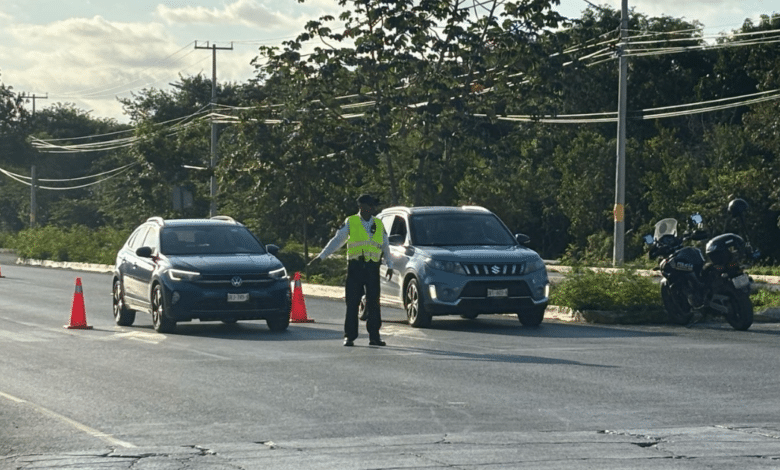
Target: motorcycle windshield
<point>665,227</point>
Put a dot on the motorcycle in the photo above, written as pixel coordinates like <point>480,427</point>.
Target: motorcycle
<point>717,285</point>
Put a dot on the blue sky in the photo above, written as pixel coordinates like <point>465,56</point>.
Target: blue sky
<point>89,52</point>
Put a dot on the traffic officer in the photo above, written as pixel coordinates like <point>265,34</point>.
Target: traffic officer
<point>366,241</point>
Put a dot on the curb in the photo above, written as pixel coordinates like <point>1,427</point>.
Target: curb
<point>89,267</point>
<point>652,273</point>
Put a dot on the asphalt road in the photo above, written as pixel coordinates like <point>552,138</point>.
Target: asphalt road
<point>482,394</point>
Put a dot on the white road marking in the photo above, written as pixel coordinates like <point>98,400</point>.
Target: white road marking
<point>107,438</point>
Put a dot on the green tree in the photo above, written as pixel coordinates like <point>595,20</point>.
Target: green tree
<point>417,89</point>
<point>14,153</point>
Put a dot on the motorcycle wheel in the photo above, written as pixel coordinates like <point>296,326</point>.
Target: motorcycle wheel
<point>740,315</point>
<point>678,310</point>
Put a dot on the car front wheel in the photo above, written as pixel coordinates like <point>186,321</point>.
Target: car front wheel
<point>415,310</point>
<point>122,315</point>
<point>162,323</point>
<point>279,323</point>
<point>531,317</point>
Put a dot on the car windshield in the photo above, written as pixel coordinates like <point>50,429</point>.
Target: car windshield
<point>459,229</point>
<point>209,240</point>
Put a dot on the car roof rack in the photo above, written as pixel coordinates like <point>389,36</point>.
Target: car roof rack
<point>226,218</point>
<point>157,219</point>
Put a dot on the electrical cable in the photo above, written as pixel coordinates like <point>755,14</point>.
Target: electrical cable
<point>19,179</point>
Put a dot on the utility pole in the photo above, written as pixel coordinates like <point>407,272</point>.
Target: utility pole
<point>33,97</point>
<point>214,49</point>
<point>33,200</point>
<point>620,170</point>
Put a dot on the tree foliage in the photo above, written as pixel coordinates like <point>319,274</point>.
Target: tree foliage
<point>439,102</point>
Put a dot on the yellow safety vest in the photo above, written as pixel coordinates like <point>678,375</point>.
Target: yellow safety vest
<point>361,243</point>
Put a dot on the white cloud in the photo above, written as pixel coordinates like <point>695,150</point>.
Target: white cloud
<point>715,15</point>
<point>90,61</point>
<point>244,12</point>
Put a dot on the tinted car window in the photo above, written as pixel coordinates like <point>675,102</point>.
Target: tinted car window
<point>459,229</point>
<point>395,226</point>
<point>135,240</point>
<point>151,240</point>
<point>200,240</point>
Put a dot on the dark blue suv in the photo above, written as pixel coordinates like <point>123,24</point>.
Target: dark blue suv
<point>206,269</point>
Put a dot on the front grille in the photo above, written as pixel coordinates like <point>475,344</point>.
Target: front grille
<point>225,279</point>
<point>493,269</point>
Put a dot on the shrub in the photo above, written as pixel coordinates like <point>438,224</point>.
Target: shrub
<point>765,298</point>
<point>77,244</point>
<point>625,290</point>
<point>331,271</point>
<point>583,289</point>
<point>6,240</point>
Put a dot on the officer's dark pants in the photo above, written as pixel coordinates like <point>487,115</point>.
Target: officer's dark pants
<point>362,277</point>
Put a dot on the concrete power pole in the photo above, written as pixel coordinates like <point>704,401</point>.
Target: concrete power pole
<point>620,170</point>
<point>214,49</point>
<point>33,199</point>
<point>33,97</point>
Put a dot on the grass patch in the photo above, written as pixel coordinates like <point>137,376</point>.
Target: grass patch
<point>765,270</point>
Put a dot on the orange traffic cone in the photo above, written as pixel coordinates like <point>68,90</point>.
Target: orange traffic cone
<point>298,311</point>
<point>78,317</point>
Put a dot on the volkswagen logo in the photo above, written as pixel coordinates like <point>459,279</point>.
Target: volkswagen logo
<point>236,281</point>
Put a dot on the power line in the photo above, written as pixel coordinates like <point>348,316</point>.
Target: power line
<point>21,179</point>
<point>649,113</point>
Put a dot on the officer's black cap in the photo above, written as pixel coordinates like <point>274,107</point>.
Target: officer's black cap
<point>368,200</point>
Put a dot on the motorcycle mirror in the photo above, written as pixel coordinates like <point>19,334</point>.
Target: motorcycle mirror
<point>648,239</point>
<point>696,219</point>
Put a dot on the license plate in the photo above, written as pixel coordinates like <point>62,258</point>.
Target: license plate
<point>741,281</point>
<point>238,297</point>
<point>498,292</point>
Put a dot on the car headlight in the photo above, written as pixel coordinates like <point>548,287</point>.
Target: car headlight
<point>280,273</point>
<point>448,266</point>
<point>181,275</point>
<point>534,265</point>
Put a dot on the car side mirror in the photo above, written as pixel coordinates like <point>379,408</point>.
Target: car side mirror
<point>144,252</point>
<point>522,238</point>
<point>396,239</point>
<point>273,249</point>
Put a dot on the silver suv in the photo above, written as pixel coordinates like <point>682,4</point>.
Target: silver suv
<point>461,260</point>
